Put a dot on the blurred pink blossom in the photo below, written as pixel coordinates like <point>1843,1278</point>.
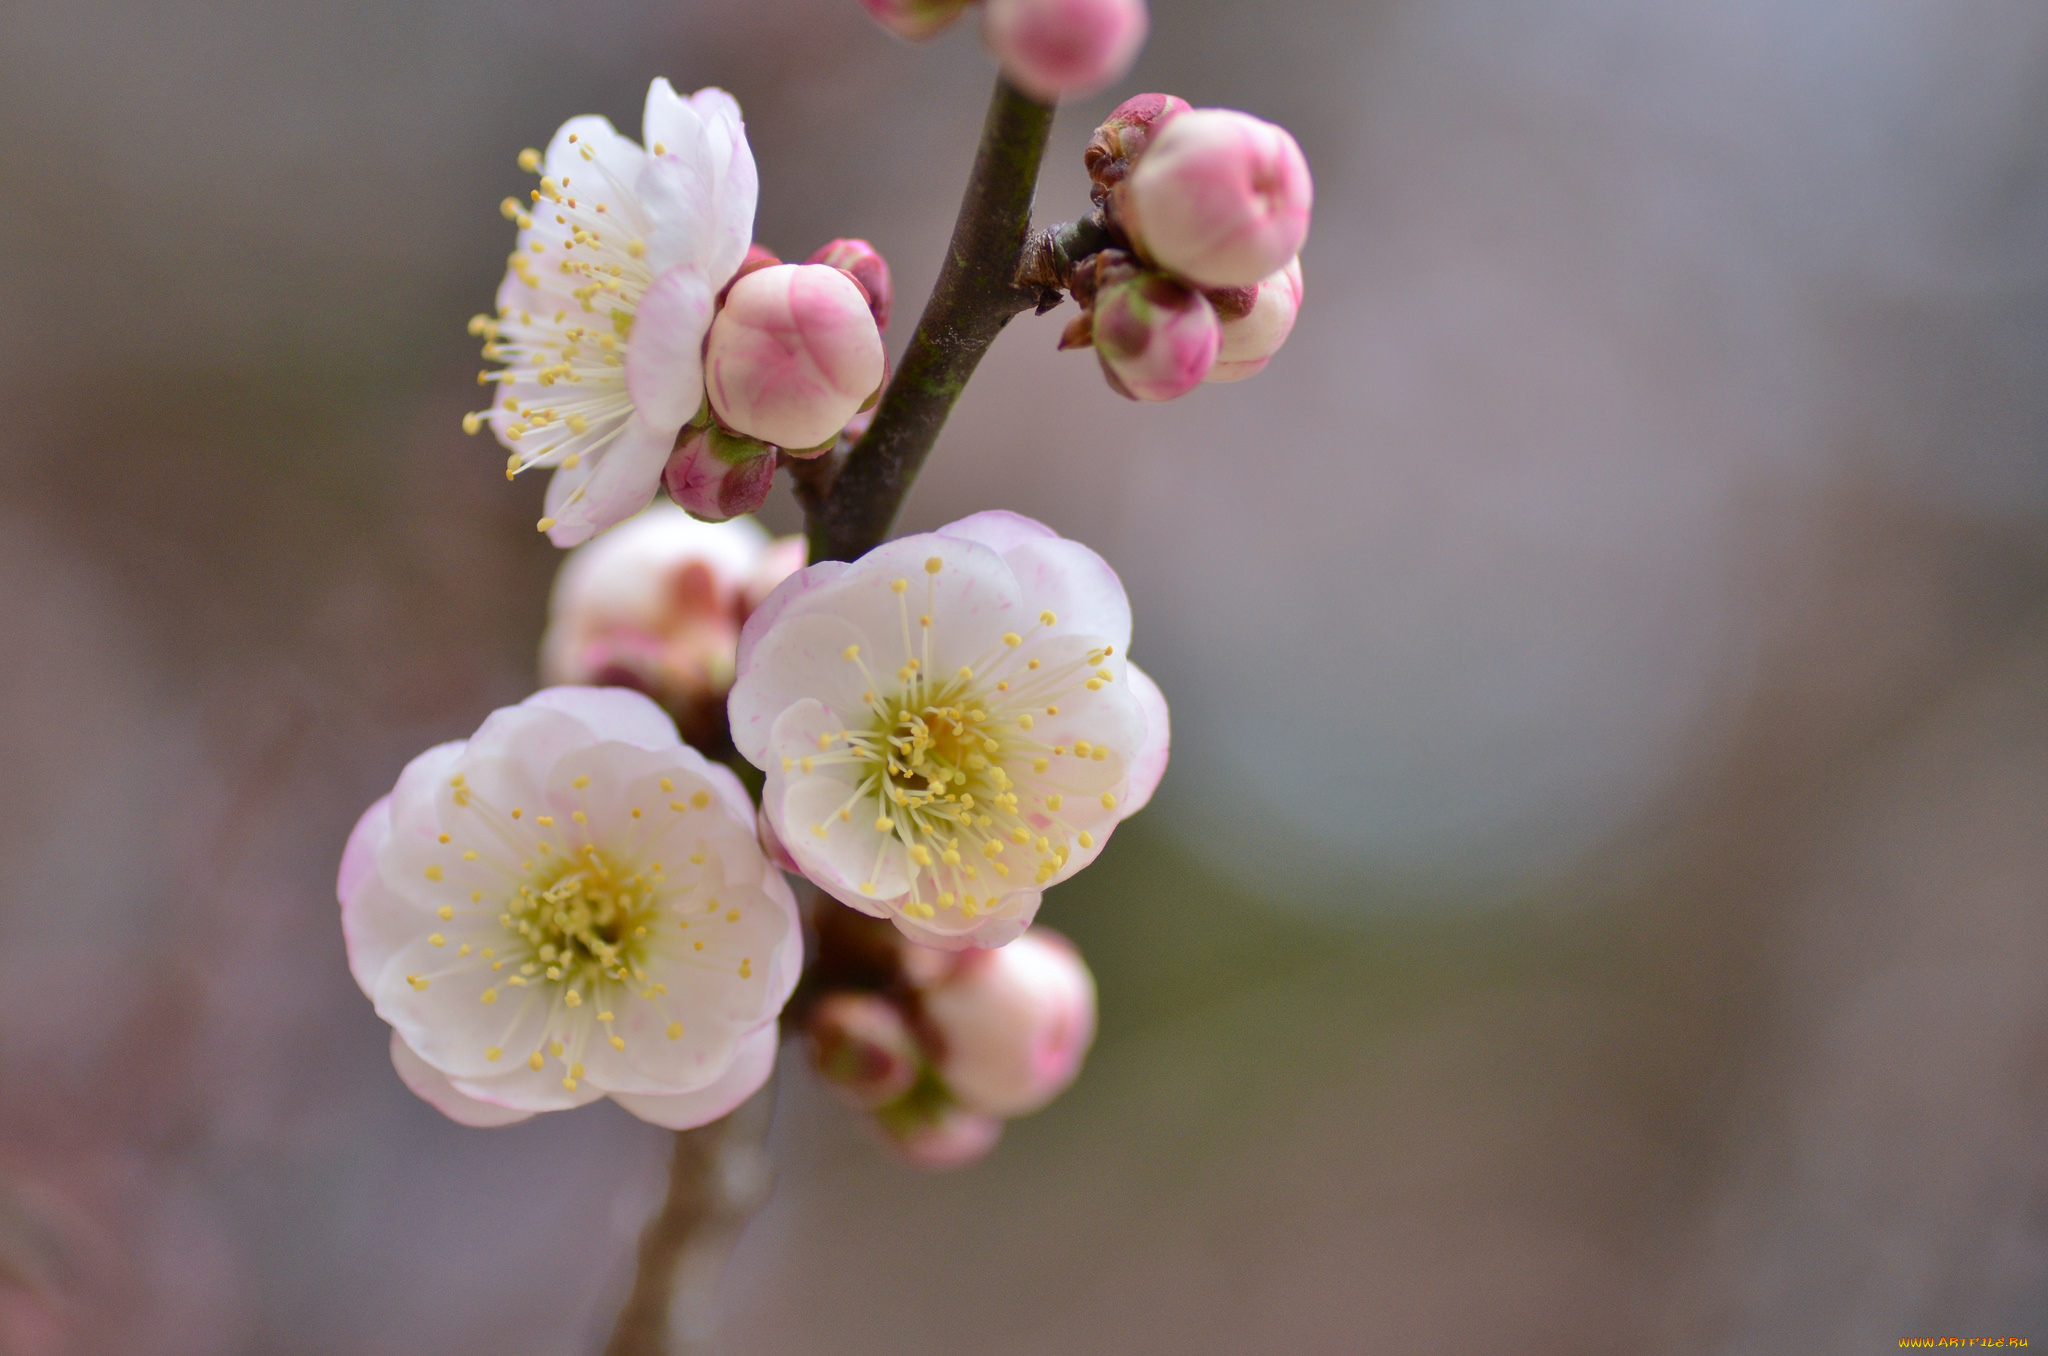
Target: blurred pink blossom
<point>1253,334</point>
<point>1052,49</point>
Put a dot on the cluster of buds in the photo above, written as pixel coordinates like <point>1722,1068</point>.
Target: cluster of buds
<point>1206,211</point>
<point>1050,49</point>
<point>939,1048</point>
<point>793,356</point>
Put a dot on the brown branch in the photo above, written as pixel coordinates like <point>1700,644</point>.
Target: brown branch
<point>976,295</point>
<point>717,1178</point>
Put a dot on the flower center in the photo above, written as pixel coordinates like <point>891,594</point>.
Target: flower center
<point>582,920</point>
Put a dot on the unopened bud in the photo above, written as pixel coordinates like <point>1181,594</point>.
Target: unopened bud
<point>793,355</point>
<point>715,474</point>
<point>1255,328</point>
<point>940,1139</point>
<point>863,1048</point>
<point>1156,337</point>
<point>758,257</point>
<point>1115,145</point>
<point>1013,1023</point>
<point>914,19</point>
<point>1220,198</point>
<point>866,266</point>
<point>1053,48</point>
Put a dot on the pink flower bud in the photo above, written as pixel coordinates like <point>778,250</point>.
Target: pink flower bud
<point>866,266</point>
<point>717,475</point>
<point>794,354</point>
<point>914,19</point>
<point>1051,48</point>
<point>1115,145</point>
<point>1013,1023</point>
<point>950,1137</point>
<point>759,256</point>
<point>1219,197</point>
<point>1259,326</point>
<point>1157,339</point>
<point>863,1048</point>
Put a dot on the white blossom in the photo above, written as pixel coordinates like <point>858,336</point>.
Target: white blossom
<point>568,905</point>
<point>950,724</point>
<point>608,294</point>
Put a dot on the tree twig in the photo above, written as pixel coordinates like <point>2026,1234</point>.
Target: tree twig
<point>717,1177</point>
<point>977,293</point>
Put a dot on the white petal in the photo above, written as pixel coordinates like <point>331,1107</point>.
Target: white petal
<point>665,353</point>
<point>803,658</point>
<point>779,600</point>
<point>752,1062</point>
<point>610,485</point>
<point>613,713</point>
<point>1074,584</point>
<point>998,529</point>
<point>680,197</point>
<point>610,170</point>
<point>434,1088</point>
<point>1149,764</point>
<point>949,932</point>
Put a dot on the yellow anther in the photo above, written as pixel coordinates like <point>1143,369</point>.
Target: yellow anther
<point>1031,664</point>
<point>898,585</point>
<point>746,969</point>
<point>1053,802</point>
<point>488,996</point>
<point>445,912</point>
<point>934,565</point>
<point>675,1031</point>
<point>696,859</point>
<point>618,1042</point>
<point>678,806</point>
<point>1086,839</point>
<point>469,854</point>
<point>433,873</point>
<point>697,946</point>
<point>921,854</point>
<point>1108,801</point>
<point>667,785</point>
<point>545,524</point>
<point>1024,722</point>
<point>579,816</point>
<point>1012,639</point>
<point>529,160</point>
<point>1048,619</point>
<point>1093,685</point>
<point>732,915</point>
<point>545,821</point>
<point>571,998</point>
<point>494,1054</point>
<point>700,799</point>
<point>1100,755</point>
<point>580,783</point>
<point>418,982</point>
<point>555,1049</point>
<point>885,825</point>
<point>436,939</point>
<point>1040,764</point>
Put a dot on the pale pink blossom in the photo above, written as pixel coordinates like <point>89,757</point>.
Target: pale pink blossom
<point>601,319</point>
<point>1218,197</point>
<point>914,19</point>
<point>1052,49</point>
<point>1255,332</point>
<point>793,355</point>
<point>949,724</point>
<point>657,603</point>
<point>569,905</point>
<point>1157,338</point>
<point>715,475</point>
<point>1012,1025</point>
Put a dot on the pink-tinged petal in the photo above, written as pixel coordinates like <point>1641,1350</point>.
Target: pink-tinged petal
<point>614,713</point>
<point>668,120</point>
<point>359,858</point>
<point>610,486</point>
<point>793,355</point>
<point>1075,585</point>
<point>805,658</point>
<point>949,932</point>
<point>1013,1024</point>
<point>752,1062</point>
<point>797,586</point>
<point>665,354</point>
<point>680,198</point>
<point>731,790</point>
<point>1149,764</point>
<point>1000,530</point>
<point>434,1088</point>
<point>738,183</point>
<point>771,844</point>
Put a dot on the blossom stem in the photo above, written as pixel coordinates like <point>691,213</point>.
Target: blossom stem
<point>717,1177</point>
<point>977,293</point>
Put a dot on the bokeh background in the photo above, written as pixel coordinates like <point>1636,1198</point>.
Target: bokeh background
<point>1600,900</point>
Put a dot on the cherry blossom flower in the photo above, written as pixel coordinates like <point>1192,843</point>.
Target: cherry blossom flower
<point>656,604</point>
<point>950,724</point>
<point>571,904</point>
<point>601,319</point>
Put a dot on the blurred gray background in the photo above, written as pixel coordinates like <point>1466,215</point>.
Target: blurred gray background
<point>1600,900</point>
